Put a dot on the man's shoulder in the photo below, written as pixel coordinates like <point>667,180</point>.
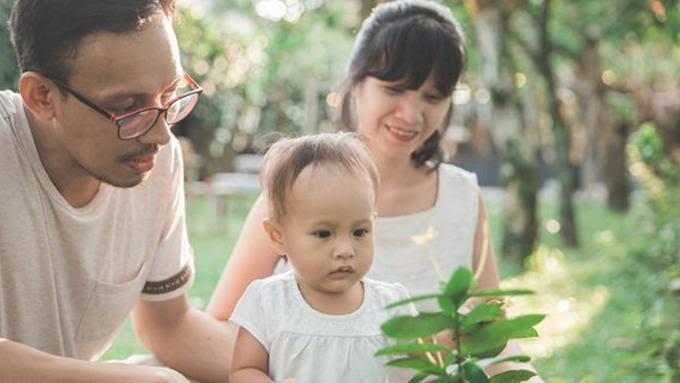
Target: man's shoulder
<point>8,104</point>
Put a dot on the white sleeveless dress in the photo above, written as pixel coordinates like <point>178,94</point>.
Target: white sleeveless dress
<point>454,219</point>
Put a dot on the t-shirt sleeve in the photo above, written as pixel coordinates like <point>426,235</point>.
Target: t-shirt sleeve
<point>250,314</point>
<point>172,272</point>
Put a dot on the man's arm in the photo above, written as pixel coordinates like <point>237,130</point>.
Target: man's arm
<point>20,363</point>
<point>185,339</point>
<point>252,258</point>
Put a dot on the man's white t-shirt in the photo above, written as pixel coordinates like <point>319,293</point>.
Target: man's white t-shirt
<point>70,276</point>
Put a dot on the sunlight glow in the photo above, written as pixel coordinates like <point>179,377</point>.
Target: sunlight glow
<point>636,169</point>
<point>273,10</point>
<point>277,10</point>
<point>520,80</point>
<point>461,95</point>
<point>334,99</point>
<point>605,237</point>
<point>608,77</point>
<point>569,310</point>
<point>553,226</point>
<point>482,96</point>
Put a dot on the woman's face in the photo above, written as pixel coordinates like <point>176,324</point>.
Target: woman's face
<point>394,121</point>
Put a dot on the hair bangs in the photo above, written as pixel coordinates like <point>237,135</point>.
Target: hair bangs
<point>412,53</point>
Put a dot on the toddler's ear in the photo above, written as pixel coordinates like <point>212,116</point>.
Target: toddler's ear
<point>275,234</point>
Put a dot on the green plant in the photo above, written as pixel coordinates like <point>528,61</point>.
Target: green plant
<point>659,175</point>
<point>478,336</point>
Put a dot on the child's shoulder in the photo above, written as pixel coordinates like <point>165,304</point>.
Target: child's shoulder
<point>385,293</point>
<point>273,284</point>
<point>386,290</point>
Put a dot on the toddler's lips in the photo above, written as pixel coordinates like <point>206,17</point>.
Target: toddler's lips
<point>343,270</point>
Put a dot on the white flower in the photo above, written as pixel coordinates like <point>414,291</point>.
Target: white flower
<point>423,239</point>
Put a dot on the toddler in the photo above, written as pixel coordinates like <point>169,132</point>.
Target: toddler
<point>320,321</point>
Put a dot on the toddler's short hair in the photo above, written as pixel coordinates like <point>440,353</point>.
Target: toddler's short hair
<point>288,157</point>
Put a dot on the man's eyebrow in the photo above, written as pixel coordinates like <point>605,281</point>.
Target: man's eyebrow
<point>124,95</point>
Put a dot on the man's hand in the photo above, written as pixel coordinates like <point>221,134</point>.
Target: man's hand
<point>159,375</point>
<point>20,363</point>
<point>185,339</point>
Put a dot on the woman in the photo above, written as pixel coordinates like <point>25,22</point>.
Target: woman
<point>406,62</point>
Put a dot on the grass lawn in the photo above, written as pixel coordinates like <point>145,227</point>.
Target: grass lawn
<point>594,296</point>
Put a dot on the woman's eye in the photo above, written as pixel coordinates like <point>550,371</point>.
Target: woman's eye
<point>393,89</point>
<point>322,233</point>
<point>360,233</point>
<point>434,98</point>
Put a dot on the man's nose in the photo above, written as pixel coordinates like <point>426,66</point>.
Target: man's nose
<point>159,134</point>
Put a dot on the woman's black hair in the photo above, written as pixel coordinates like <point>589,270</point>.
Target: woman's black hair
<point>407,41</point>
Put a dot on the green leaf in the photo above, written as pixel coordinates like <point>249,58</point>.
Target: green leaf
<point>417,364</point>
<point>458,286</point>
<point>481,313</point>
<point>422,325</point>
<point>514,358</point>
<point>412,348</point>
<point>474,374</point>
<point>512,376</point>
<point>492,353</point>
<point>496,334</point>
<point>419,377</point>
<point>413,299</point>
<point>447,305</point>
<point>500,293</point>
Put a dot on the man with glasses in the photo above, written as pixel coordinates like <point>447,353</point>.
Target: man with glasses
<point>92,214</point>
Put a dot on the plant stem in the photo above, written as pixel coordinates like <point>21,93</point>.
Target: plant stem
<point>456,340</point>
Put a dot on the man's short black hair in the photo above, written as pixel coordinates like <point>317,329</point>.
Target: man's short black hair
<point>46,33</point>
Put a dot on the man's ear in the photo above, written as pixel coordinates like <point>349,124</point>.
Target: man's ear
<point>38,93</point>
<point>275,234</point>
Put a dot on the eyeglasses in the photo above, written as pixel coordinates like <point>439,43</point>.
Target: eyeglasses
<point>138,122</point>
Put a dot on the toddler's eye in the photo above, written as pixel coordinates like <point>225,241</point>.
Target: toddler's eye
<point>360,233</point>
<point>322,233</point>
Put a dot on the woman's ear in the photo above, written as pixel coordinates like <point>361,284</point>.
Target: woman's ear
<point>37,93</point>
<point>275,234</point>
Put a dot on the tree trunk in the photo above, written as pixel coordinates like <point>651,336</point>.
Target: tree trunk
<point>367,6</point>
<point>566,171</point>
<point>604,157</point>
<point>510,129</point>
<point>615,166</point>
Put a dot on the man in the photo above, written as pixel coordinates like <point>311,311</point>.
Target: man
<point>92,213</point>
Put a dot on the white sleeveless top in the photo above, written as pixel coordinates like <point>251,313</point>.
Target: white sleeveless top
<point>453,218</point>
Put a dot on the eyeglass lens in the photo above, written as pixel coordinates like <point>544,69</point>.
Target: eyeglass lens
<point>139,123</point>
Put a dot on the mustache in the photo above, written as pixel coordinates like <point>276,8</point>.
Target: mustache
<point>146,150</point>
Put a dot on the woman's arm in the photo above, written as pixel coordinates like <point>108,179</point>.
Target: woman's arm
<point>484,266</point>
<point>483,259</point>
<point>252,258</point>
<point>251,362</point>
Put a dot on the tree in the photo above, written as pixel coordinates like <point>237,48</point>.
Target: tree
<point>511,126</point>
<point>9,70</point>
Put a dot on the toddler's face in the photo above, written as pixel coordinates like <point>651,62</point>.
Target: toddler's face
<point>328,228</point>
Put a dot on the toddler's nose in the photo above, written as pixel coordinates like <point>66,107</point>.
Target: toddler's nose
<point>344,250</point>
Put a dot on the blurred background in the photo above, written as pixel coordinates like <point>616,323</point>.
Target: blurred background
<point>569,113</point>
